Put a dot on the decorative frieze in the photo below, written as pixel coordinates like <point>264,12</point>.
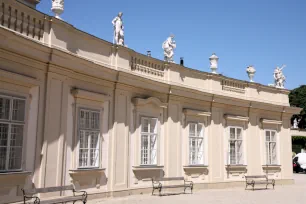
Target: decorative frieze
<point>233,86</point>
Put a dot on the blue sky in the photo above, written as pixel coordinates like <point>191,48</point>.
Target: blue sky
<point>263,33</point>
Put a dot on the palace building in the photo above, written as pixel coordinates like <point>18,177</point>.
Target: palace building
<point>75,109</point>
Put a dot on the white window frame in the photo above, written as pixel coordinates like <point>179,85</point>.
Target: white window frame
<point>200,149</point>
<point>268,152</point>
<point>10,122</point>
<point>149,135</point>
<point>236,140</point>
<point>89,141</point>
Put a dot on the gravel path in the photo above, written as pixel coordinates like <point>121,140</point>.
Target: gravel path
<point>289,194</point>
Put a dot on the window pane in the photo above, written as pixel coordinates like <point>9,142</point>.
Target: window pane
<point>273,152</point>
<point>16,136</point>
<point>144,149</point>
<point>94,157</point>
<point>239,135</point>
<point>232,152</point>
<point>18,110</point>
<point>83,157</point>
<point>87,119</point>
<point>191,129</point>
<point>95,120</point>
<point>232,133</point>
<point>199,130</point>
<point>153,125</point>
<point>83,139</point>
<point>239,152</point>
<point>2,157</point>
<point>3,134</point>
<point>273,136</point>
<point>4,108</point>
<point>267,153</point>
<point>267,135</point>
<point>15,158</point>
<point>153,149</point>
<point>145,125</point>
<point>82,119</point>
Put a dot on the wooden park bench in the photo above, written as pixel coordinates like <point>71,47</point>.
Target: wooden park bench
<point>262,180</point>
<point>77,195</point>
<point>157,185</point>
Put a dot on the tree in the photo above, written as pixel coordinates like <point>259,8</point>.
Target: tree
<point>297,98</point>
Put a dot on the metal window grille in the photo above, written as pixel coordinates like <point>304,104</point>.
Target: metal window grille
<point>12,120</point>
<point>271,156</point>
<point>148,141</point>
<point>89,134</point>
<point>196,138</point>
<point>235,146</point>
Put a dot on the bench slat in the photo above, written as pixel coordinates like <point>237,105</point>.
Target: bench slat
<point>169,179</point>
<point>176,186</point>
<point>250,177</point>
<point>49,189</point>
<point>61,200</point>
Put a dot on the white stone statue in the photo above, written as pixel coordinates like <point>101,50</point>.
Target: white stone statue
<point>118,30</point>
<point>213,59</point>
<point>169,45</point>
<point>57,8</point>
<point>279,78</point>
<point>295,123</point>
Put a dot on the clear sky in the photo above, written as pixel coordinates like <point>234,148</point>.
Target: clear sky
<point>263,33</point>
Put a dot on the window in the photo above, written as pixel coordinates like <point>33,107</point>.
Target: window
<point>196,139</point>
<point>89,134</point>
<point>148,141</point>
<point>12,118</point>
<point>271,157</point>
<point>235,146</point>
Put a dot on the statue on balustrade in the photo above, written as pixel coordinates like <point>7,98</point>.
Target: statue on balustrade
<point>169,45</point>
<point>118,30</point>
<point>279,78</point>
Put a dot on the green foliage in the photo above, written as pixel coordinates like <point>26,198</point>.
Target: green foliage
<point>297,98</point>
<point>299,140</point>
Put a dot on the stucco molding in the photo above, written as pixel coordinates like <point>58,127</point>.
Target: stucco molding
<point>88,95</point>
<point>18,79</point>
<point>273,122</point>
<point>196,112</point>
<point>236,117</point>
<point>152,100</point>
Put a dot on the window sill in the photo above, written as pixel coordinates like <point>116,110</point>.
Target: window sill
<point>15,176</point>
<point>272,168</point>
<point>84,171</point>
<point>236,168</point>
<point>148,168</point>
<point>195,167</point>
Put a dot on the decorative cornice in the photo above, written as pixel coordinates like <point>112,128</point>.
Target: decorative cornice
<point>151,100</point>
<point>236,117</point>
<point>196,112</point>
<point>79,93</point>
<point>268,121</point>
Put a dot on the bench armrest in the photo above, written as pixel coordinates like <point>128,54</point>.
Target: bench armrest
<point>84,195</point>
<point>25,197</point>
<point>190,182</point>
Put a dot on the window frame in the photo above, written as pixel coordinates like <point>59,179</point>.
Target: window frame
<point>148,134</point>
<point>79,129</point>
<point>10,122</point>
<point>201,137</point>
<point>276,146</point>
<point>242,160</point>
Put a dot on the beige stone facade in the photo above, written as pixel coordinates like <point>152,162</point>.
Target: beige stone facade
<point>77,109</point>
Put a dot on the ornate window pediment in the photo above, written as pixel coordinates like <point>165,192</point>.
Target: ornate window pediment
<point>152,100</point>
<point>236,117</point>
<point>273,122</point>
<point>196,112</point>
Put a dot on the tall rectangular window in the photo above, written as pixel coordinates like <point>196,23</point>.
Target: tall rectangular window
<point>148,141</point>
<point>271,157</point>
<point>196,139</point>
<point>12,120</point>
<point>235,144</point>
<point>89,138</point>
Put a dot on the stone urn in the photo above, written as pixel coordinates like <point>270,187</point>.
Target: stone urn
<point>57,8</point>
<point>213,59</point>
<point>251,72</point>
